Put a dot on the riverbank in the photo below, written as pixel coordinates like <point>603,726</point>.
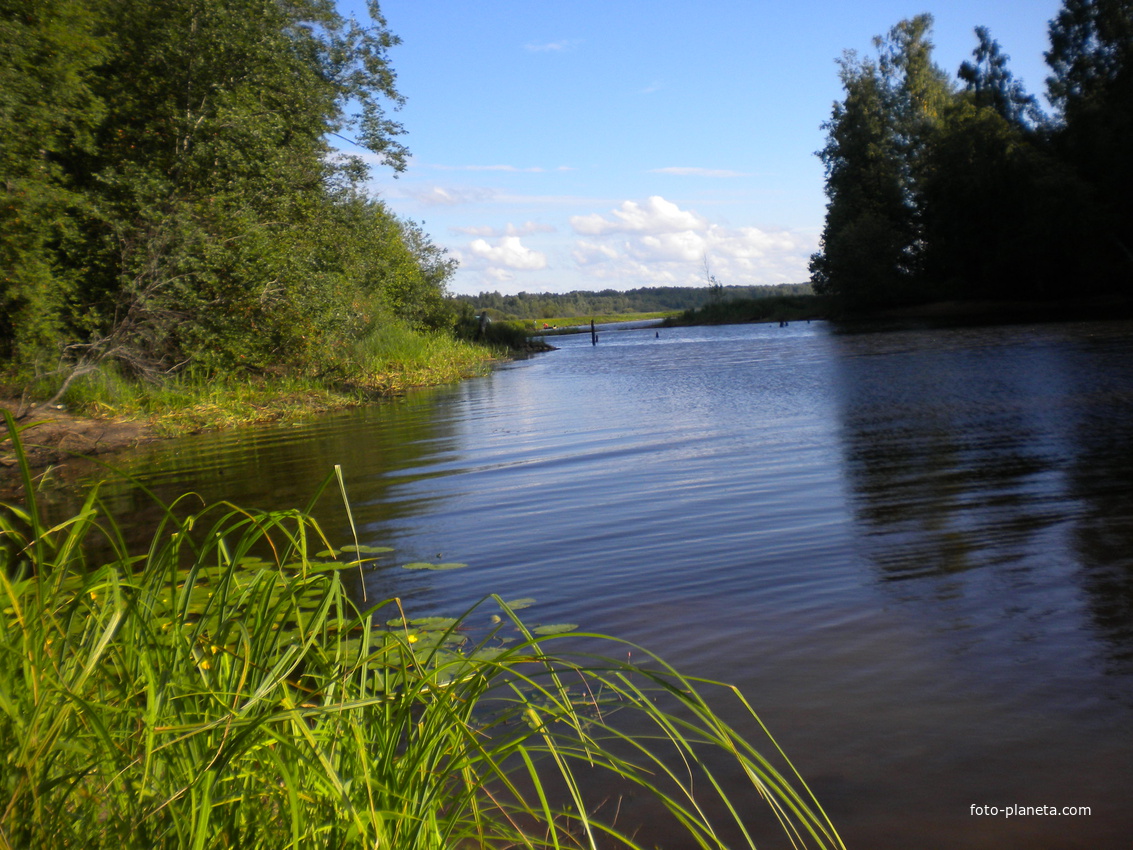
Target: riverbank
<point>106,415</point>
<point>56,434</point>
<point>58,442</point>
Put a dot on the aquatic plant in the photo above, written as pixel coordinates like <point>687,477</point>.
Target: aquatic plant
<point>221,688</point>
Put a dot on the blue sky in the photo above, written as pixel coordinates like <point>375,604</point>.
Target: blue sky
<point>577,144</point>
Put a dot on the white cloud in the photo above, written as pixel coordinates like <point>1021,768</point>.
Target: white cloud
<point>529,227</point>
<point>587,253</point>
<point>525,229</point>
<point>508,252</point>
<point>433,196</point>
<point>688,246</point>
<point>499,275</point>
<point>474,231</point>
<point>656,215</point>
<point>656,243</point>
<point>692,171</point>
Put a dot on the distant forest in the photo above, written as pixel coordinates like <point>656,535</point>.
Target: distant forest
<point>942,188</point>
<point>661,299</point>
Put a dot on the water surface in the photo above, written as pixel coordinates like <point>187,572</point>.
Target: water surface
<point>912,548</point>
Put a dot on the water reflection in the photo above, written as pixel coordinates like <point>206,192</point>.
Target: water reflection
<point>1101,478</point>
<point>911,549</point>
<point>283,467</point>
<point>1003,449</point>
<point>953,445</point>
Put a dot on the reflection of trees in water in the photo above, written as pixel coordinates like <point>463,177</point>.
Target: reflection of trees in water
<point>1102,483</point>
<point>1015,456</point>
<point>949,452</point>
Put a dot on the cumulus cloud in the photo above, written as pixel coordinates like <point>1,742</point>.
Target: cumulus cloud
<point>508,252</point>
<point>474,231</point>
<point>587,253</point>
<point>656,243</point>
<point>656,215</point>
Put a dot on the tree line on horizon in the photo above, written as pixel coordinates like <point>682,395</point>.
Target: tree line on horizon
<point>963,188</point>
<point>169,193</point>
<point>609,302</point>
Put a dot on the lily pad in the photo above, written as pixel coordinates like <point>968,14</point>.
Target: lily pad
<point>363,549</point>
<point>423,565</point>
<point>555,628</point>
<point>520,604</point>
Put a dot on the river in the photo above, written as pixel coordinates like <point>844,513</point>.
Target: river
<point>910,547</point>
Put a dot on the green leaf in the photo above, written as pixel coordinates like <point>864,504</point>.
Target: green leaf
<point>555,629</point>
<point>363,549</point>
<point>422,565</point>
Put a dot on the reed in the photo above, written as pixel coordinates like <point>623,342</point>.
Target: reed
<point>220,688</point>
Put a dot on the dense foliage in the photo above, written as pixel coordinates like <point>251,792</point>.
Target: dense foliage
<point>943,188</point>
<point>609,302</point>
<point>168,193</point>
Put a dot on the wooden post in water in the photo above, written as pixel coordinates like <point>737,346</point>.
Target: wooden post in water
<point>593,333</point>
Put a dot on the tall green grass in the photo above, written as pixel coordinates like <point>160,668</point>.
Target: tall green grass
<point>392,357</point>
<point>221,689</point>
<point>389,358</point>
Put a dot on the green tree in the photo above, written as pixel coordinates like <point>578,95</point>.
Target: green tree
<point>170,191</point>
<point>991,84</point>
<point>1091,87</point>
<point>1003,217</point>
<point>212,172</point>
<point>48,111</point>
<point>872,242</point>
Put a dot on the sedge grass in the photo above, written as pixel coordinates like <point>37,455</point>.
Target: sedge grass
<point>390,359</point>
<point>221,689</point>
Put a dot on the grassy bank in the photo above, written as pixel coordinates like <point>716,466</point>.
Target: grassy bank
<point>584,321</point>
<point>221,688</point>
<point>387,361</point>
<point>778,308</point>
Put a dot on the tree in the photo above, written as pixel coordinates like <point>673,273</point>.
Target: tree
<point>48,51</point>
<point>187,199</point>
<point>872,241</point>
<point>1091,87</point>
<point>992,84</point>
<point>1001,214</point>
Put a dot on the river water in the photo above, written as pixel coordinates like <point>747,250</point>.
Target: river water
<point>910,547</point>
